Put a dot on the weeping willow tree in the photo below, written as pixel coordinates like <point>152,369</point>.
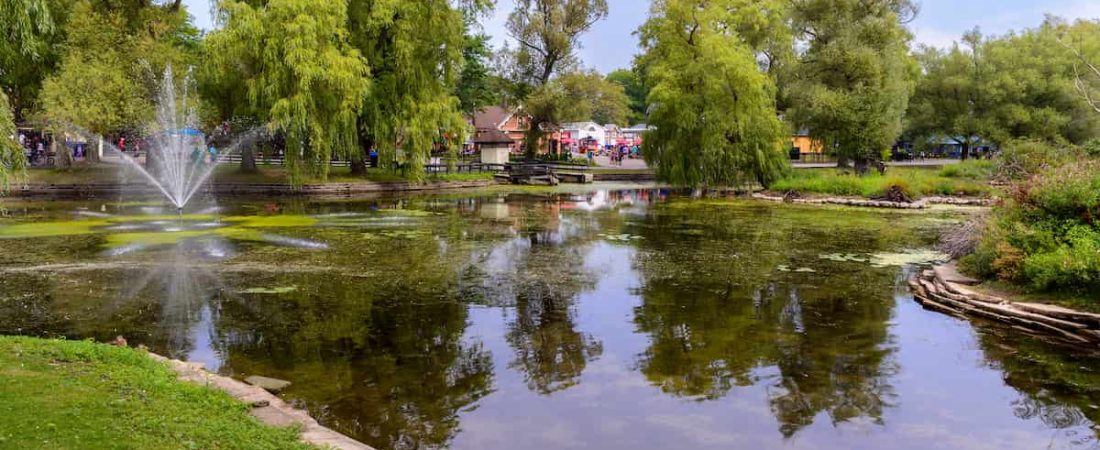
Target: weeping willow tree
<point>712,103</point>
<point>416,52</point>
<point>22,25</point>
<point>301,74</point>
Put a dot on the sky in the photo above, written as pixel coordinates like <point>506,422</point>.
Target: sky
<point>611,44</point>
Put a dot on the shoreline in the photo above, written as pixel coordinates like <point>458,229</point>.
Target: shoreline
<point>922,203</point>
<point>91,190</point>
<point>945,290</point>
<point>266,407</point>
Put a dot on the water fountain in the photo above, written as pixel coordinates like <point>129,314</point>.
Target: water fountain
<point>177,162</point>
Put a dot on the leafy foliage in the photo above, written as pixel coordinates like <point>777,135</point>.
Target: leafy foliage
<point>300,73</point>
<point>713,107</point>
<point>635,90</point>
<point>1017,86</point>
<point>548,33</point>
<point>23,23</point>
<point>1048,236</point>
<point>475,88</point>
<point>851,86</point>
<point>12,161</point>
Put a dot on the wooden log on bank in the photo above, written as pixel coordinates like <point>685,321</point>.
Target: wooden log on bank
<point>942,289</point>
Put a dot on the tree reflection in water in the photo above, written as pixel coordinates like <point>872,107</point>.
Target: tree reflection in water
<point>1057,383</point>
<point>378,357</point>
<point>539,274</point>
<point>719,316</point>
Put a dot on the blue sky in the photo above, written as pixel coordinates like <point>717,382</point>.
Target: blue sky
<point>612,45</point>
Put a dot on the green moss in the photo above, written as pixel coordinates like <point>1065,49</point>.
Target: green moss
<point>280,221</point>
<point>51,229</point>
<point>65,394</point>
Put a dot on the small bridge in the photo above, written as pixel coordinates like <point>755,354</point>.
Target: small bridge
<point>546,173</point>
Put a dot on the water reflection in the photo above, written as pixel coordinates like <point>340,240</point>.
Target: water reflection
<point>614,319</point>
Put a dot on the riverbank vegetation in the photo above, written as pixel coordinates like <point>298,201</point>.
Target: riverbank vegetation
<point>1046,236</point>
<point>969,179</point>
<point>69,394</point>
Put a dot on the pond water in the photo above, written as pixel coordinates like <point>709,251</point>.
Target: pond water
<point>602,317</point>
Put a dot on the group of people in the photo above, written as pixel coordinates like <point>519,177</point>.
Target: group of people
<point>34,144</point>
<point>199,157</point>
<point>623,152</point>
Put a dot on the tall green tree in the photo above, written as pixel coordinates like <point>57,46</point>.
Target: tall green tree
<point>635,90</point>
<point>1028,85</point>
<point>111,53</point>
<point>853,80</point>
<point>548,35</point>
<point>1032,89</point>
<point>475,89</point>
<point>713,107</point>
<point>301,75</point>
<point>416,53</point>
<point>23,23</point>
<point>589,96</point>
<point>951,97</point>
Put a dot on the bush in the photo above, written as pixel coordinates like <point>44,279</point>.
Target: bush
<point>1048,236</point>
<point>1092,148</point>
<point>1020,160</point>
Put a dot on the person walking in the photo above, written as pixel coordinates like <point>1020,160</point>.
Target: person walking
<point>213,154</point>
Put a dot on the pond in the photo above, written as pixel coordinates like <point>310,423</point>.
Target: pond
<point>608,317</point>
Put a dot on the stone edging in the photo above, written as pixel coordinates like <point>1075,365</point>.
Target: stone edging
<point>943,289</point>
<point>266,407</point>
<point>919,204</point>
<point>327,189</point>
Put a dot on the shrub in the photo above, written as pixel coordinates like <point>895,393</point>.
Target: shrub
<point>1092,148</point>
<point>1048,237</point>
<point>1072,265</point>
<point>1020,160</point>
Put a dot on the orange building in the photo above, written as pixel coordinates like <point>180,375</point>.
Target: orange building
<point>512,123</point>
<point>802,141</point>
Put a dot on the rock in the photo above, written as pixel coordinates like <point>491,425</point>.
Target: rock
<point>118,342</point>
<point>268,384</point>
<point>261,404</point>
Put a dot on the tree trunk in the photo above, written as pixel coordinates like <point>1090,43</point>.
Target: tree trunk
<point>63,160</point>
<point>92,156</point>
<point>359,160</point>
<point>862,165</point>
<point>965,150</point>
<point>841,162</point>
<point>248,159</point>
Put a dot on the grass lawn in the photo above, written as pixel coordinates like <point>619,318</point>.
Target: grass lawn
<point>81,395</point>
<point>970,178</point>
<point>230,174</point>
